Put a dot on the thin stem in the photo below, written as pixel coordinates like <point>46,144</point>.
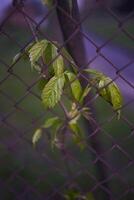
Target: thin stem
<point>64,109</point>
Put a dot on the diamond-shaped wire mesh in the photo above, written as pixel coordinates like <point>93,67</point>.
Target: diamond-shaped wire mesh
<point>107,170</point>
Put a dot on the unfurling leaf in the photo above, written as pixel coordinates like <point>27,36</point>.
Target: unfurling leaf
<point>35,52</point>
<point>51,122</point>
<point>37,136</point>
<point>75,85</point>
<point>52,91</point>
<point>74,114</point>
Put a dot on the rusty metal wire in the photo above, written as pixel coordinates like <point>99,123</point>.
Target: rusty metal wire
<point>38,173</point>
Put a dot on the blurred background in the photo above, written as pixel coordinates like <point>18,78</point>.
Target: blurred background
<point>29,173</point>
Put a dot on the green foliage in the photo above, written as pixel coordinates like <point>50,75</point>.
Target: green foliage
<point>52,91</point>
<point>103,90</point>
<point>78,135</point>
<point>54,123</point>
<point>74,114</point>
<point>75,85</point>
<point>37,136</point>
<point>37,52</point>
<point>50,61</point>
<point>108,90</point>
<point>111,94</point>
<point>58,63</point>
<point>94,72</point>
<point>51,122</point>
<point>47,57</point>
<point>85,92</point>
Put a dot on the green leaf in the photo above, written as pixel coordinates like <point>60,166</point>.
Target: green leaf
<point>89,196</point>
<point>58,63</point>
<point>78,135</point>
<point>108,90</point>
<point>103,90</point>
<point>69,59</point>
<point>85,93</point>
<point>94,72</point>
<point>51,122</point>
<point>54,123</point>
<point>115,97</point>
<point>52,91</point>
<point>57,66</point>
<point>37,136</point>
<point>36,52</point>
<point>111,94</point>
<point>48,58</point>
<point>75,85</point>
<point>59,69</point>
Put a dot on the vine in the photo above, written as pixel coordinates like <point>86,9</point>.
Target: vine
<point>58,77</point>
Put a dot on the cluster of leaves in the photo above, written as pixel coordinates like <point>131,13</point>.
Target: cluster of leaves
<point>49,61</point>
<point>53,82</point>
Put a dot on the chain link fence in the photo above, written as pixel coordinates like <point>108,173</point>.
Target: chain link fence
<point>105,169</point>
